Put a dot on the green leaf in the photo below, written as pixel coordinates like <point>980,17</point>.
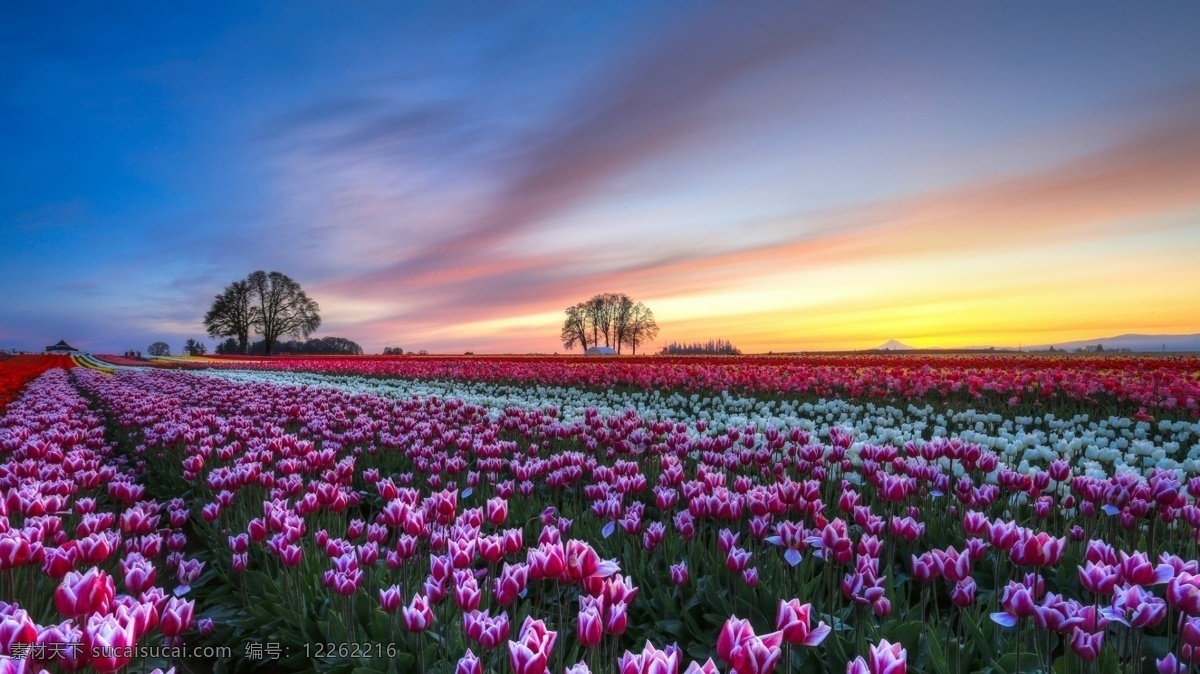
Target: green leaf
<point>937,656</point>
<point>1067,664</point>
<point>1107,662</point>
<point>982,645</point>
<point>672,627</point>
<point>1029,663</point>
<point>908,633</point>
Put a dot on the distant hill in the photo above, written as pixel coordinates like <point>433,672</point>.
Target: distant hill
<point>1132,342</point>
<point>893,345</point>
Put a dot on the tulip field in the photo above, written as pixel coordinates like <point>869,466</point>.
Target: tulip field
<point>648,515</point>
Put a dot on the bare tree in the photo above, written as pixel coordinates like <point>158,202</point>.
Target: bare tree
<point>615,317</point>
<point>575,327</point>
<point>159,349</point>
<point>595,313</point>
<point>283,308</point>
<point>640,326</point>
<point>233,314</point>
<point>621,310</point>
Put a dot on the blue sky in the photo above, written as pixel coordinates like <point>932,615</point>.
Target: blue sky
<point>451,176</point>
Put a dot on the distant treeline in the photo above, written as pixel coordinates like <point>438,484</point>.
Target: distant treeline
<point>714,347</point>
<point>322,346</point>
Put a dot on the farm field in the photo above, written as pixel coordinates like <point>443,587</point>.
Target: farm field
<point>880,514</point>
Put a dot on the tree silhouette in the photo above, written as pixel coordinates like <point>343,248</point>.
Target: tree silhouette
<point>283,308</point>
<point>613,317</point>
<point>233,314</point>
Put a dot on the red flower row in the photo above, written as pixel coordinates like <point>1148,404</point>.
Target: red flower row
<point>17,371</point>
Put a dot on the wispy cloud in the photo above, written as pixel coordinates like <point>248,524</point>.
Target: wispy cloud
<point>787,174</point>
<point>1144,174</point>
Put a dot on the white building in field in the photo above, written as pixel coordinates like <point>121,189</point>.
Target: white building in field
<point>600,351</point>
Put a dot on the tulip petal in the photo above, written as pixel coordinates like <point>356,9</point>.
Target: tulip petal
<point>1004,618</point>
<point>1163,573</point>
<point>818,635</point>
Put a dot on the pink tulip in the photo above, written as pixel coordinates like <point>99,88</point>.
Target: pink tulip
<point>709,667</point>
<point>1041,550</point>
<point>963,594</point>
<point>547,561</point>
<point>1137,569</point>
<point>14,549</point>
<point>58,562</point>
<point>887,658</point>
<point>390,599</point>
<point>737,632</point>
<point>750,577</point>
<point>1183,592</point>
<point>679,573</point>
<point>63,644</point>
<point>139,573</point>
<point>726,540</point>
<point>417,616</point>
<point>616,618</point>
<point>590,626</point>
<point>531,652</point>
<point>737,559</point>
<point>468,664</point>
<point>511,583</point>
<point>489,632</point>
<point>1169,665</point>
<point>177,617</point>
<point>497,511</point>
<point>794,623</point>
<point>107,643</point>
<point>582,562</point>
<point>15,628</point>
<point>650,661</point>
<point>857,666</point>
<point>84,594</point>
<point>1087,645</point>
<point>925,567</point>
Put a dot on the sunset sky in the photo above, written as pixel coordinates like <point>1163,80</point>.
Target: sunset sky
<point>451,176</point>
